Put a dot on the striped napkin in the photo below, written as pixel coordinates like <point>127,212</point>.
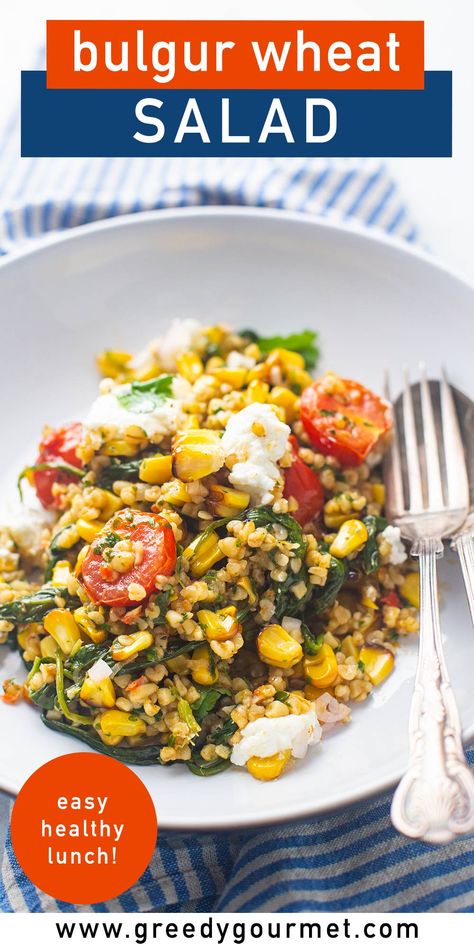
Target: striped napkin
<point>352,860</point>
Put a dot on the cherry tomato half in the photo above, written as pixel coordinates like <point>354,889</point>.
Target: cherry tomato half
<point>156,536</point>
<point>58,445</point>
<point>344,419</point>
<point>302,483</point>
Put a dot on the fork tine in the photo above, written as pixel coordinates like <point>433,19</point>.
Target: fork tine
<point>392,466</point>
<point>411,447</point>
<point>456,471</point>
<point>430,437</point>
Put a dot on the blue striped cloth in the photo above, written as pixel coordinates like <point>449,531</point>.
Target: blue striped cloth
<point>352,860</point>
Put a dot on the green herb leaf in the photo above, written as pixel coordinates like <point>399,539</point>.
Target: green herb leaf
<point>370,554</point>
<point>312,643</point>
<point>326,595</point>
<point>119,469</point>
<point>222,733</point>
<point>33,608</point>
<point>144,397</point>
<point>303,342</point>
<point>209,697</point>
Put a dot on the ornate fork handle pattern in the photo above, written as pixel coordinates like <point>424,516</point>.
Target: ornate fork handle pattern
<point>464,546</point>
<point>435,799</point>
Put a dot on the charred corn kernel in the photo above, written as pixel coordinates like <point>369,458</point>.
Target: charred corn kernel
<point>218,626</point>
<point>284,398</point>
<point>190,365</point>
<point>369,603</point>
<point>156,470</point>
<point>99,694</point>
<point>140,641</point>
<point>348,647</point>
<point>225,501</point>
<point>113,363</point>
<point>378,493</point>
<point>298,379</point>
<point>258,391</point>
<point>61,624</point>
<point>286,358</point>
<point>88,529</point>
<point>80,558</point>
<point>61,573</point>
<point>277,647</point>
<point>351,537</point>
<point>249,588</point>
<point>108,740</point>
<point>410,589</point>
<point>110,504</point>
<point>196,454</point>
<point>321,669</point>
<point>311,693</point>
<point>268,768</point>
<point>95,633</point>
<point>48,647</point>
<point>335,520</point>
<point>227,376</point>
<point>203,554</point>
<point>202,672</point>
<point>378,662</point>
<point>259,373</point>
<point>175,493</point>
<point>119,447</point>
<point>121,724</point>
<point>30,630</point>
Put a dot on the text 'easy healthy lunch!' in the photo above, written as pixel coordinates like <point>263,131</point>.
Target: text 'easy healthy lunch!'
<point>211,580</point>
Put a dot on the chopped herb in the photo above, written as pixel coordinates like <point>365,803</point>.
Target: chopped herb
<point>361,666</point>
<point>282,696</point>
<point>146,396</point>
<point>303,342</point>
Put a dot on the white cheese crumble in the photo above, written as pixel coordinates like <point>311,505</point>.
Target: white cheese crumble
<point>398,553</point>
<point>165,418</point>
<point>256,471</point>
<point>27,527</point>
<point>99,671</point>
<point>237,360</point>
<point>181,335</point>
<point>266,736</point>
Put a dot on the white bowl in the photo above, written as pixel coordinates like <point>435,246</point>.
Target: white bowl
<point>376,303</point>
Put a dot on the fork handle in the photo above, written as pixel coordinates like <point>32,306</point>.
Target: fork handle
<point>435,799</point>
<point>464,546</point>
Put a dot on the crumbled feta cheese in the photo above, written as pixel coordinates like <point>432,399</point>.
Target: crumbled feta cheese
<point>99,671</point>
<point>27,528</point>
<point>180,336</point>
<point>237,360</point>
<point>374,458</point>
<point>165,418</point>
<point>266,736</point>
<point>258,439</point>
<point>398,553</point>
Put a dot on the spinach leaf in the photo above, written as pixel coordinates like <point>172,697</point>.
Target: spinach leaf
<point>325,595</point>
<point>209,697</point>
<point>86,656</point>
<point>45,697</point>
<point>119,469</point>
<point>145,755</point>
<point>148,657</point>
<point>34,607</point>
<point>222,733</point>
<point>180,650</point>
<point>286,604</point>
<point>146,396</point>
<point>204,768</point>
<point>312,643</point>
<point>303,342</point>
<point>370,554</point>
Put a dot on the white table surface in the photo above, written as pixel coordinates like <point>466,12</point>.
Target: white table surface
<point>440,191</point>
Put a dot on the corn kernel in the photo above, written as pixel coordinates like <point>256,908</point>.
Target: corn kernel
<point>218,626</point>
<point>277,647</point>
<point>234,377</point>
<point>61,573</point>
<point>378,662</point>
<point>351,537</point>
<point>348,647</point>
<point>203,554</point>
<point>410,589</point>
<point>48,647</point>
<point>286,399</point>
<point>196,454</point>
<point>268,768</point>
<point>61,625</point>
<point>190,365</point>
<point>88,529</point>
<point>156,470</point>
<point>112,363</point>
<point>246,584</point>
<point>31,631</point>
<point>175,493</point>
<point>93,632</point>
<point>321,669</point>
<point>121,724</point>
<point>225,501</point>
<point>201,670</point>
<point>110,504</point>
<point>258,391</point>
<point>286,358</point>
<point>378,493</point>
<point>80,559</point>
<point>99,694</point>
<point>119,447</point>
<point>140,641</point>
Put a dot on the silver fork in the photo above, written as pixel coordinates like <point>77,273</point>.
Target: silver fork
<point>428,498</point>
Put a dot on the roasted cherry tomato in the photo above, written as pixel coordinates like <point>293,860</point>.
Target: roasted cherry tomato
<point>344,419</point>
<point>304,485</point>
<point>157,557</point>
<point>58,446</point>
<point>392,599</point>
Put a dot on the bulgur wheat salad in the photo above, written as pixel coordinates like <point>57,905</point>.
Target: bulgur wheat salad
<point>213,581</point>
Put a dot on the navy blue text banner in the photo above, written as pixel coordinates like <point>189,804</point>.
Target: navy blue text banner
<point>249,122</point>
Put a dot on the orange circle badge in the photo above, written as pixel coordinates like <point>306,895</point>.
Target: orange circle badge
<point>83,828</point>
